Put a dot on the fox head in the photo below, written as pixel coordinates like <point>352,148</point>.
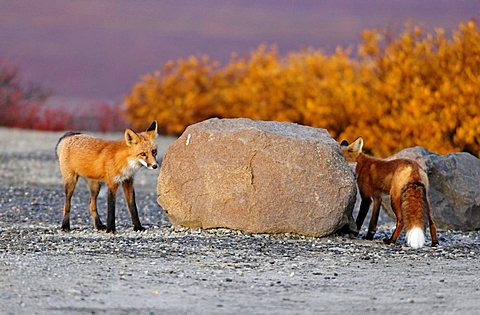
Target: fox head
<point>142,145</point>
<point>351,151</point>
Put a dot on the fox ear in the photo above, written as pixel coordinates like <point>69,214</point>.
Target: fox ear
<point>152,130</point>
<point>344,143</point>
<point>357,145</point>
<point>131,137</point>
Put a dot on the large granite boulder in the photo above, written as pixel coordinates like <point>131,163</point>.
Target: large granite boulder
<point>258,177</point>
<point>454,187</point>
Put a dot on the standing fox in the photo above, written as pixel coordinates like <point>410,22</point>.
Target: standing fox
<point>407,185</point>
<point>113,162</point>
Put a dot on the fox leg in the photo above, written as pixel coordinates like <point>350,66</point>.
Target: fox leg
<point>69,183</point>
<point>111,199</point>
<point>372,227</point>
<point>433,229</point>
<point>132,206</point>
<point>362,213</point>
<point>397,209</point>
<point>94,186</point>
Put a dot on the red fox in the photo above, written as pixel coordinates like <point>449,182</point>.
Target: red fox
<point>113,162</point>
<point>407,184</point>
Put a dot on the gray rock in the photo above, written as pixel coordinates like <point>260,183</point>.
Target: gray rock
<point>258,177</point>
<point>454,187</point>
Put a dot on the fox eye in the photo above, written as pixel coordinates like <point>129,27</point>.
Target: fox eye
<point>154,152</point>
<point>143,154</point>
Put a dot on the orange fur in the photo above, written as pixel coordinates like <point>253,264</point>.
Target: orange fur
<point>113,162</point>
<point>403,179</point>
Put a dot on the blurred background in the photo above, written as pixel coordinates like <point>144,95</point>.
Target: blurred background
<point>96,50</point>
<point>73,58</point>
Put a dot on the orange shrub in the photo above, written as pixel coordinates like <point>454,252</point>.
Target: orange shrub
<point>414,89</point>
<point>424,89</point>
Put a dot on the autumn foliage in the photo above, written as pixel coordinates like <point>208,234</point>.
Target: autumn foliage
<point>416,88</point>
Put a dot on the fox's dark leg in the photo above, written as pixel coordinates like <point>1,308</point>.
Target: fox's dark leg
<point>69,183</point>
<point>111,199</point>
<point>433,229</point>
<point>362,213</point>
<point>129,192</point>
<point>372,227</point>
<point>94,186</point>
<point>397,209</point>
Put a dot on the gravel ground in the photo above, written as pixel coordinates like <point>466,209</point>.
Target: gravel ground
<point>162,270</point>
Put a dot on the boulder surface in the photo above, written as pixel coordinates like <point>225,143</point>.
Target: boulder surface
<point>258,177</point>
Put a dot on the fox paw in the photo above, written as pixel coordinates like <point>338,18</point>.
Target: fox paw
<point>386,240</point>
<point>101,227</point>
<point>138,228</point>
<point>369,236</point>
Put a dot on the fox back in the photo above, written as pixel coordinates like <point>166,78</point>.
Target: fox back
<point>108,160</point>
<point>377,176</point>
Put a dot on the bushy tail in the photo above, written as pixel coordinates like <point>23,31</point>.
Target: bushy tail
<point>415,237</point>
<point>414,198</point>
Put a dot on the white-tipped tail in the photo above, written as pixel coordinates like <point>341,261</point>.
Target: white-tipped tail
<point>415,237</point>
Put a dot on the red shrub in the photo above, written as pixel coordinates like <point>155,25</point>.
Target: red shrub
<point>24,107</point>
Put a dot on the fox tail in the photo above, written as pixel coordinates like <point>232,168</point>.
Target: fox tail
<point>414,203</point>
